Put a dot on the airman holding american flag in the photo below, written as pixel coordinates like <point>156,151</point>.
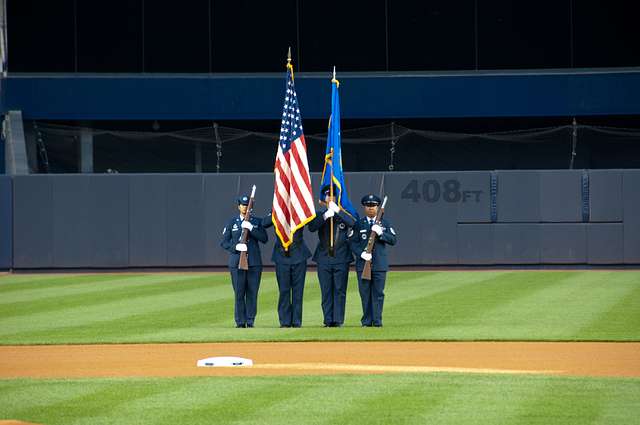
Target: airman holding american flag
<point>292,208</point>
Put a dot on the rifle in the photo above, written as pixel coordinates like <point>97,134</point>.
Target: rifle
<point>366,271</point>
<point>243,264</point>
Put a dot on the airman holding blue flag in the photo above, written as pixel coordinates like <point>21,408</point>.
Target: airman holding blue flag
<point>333,224</point>
<point>333,257</point>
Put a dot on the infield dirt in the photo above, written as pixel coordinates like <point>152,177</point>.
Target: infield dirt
<point>321,358</point>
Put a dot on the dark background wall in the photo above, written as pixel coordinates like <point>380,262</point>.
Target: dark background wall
<point>359,35</point>
<point>442,218</point>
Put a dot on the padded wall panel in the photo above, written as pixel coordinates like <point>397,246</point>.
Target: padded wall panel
<point>605,243</point>
<point>516,243</point>
<point>109,217</point>
<point>563,243</point>
<point>360,184</point>
<point>185,220</point>
<point>631,203</point>
<point>6,218</point>
<point>148,220</point>
<point>518,196</point>
<point>72,225</point>
<point>605,192</point>
<point>220,205</point>
<point>32,222</point>
<point>426,225</point>
<point>474,204</point>
<point>561,196</point>
<point>475,244</point>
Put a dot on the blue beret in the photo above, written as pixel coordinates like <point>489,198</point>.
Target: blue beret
<point>243,200</point>
<point>370,200</point>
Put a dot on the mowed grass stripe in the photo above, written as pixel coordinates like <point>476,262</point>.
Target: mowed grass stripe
<point>511,304</point>
<point>195,321</point>
<point>481,394</point>
<point>378,404</point>
<point>96,402</point>
<point>187,323</point>
<point>615,322</point>
<point>467,303</point>
<point>565,311</point>
<point>496,305</point>
<point>96,311</point>
<point>561,401</point>
<point>187,315</point>
<point>9,285</point>
<point>253,403</point>
<point>418,296</point>
<point>102,295</point>
<point>373,399</point>
<point>45,291</point>
<point>205,401</point>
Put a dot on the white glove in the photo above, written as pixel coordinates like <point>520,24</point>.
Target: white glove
<point>247,225</point>
<point>366,256</point>
<point>334,207</point>
<point>376,228</point>
<point>328,214</point>
<point>241,247</point>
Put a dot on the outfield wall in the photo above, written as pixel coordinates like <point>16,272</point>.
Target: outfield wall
<point>441,218</point>
<point>6,210</point>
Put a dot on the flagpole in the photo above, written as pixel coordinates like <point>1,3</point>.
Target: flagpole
<point>331,245</point>
<point>289,67</point>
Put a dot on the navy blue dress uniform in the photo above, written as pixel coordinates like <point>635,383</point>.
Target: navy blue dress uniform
<point>372,291</point>
<point>291,269</point>
<point>333,271</point>
<point>245,282</point>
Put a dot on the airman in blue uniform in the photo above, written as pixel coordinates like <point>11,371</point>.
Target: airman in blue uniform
<point>245,282</point>
<point>372,291</point>
<point>291,269</point>
<point>333,270</point>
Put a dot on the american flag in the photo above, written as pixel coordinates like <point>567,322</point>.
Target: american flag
<point>292,199</point>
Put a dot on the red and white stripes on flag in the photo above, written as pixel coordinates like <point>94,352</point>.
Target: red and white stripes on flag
<point>292,199</point>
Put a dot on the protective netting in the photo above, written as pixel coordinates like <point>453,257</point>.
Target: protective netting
<point>385,147</point>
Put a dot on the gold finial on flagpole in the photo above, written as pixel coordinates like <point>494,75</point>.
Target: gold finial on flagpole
<point>289,66</point>
<point>333,80</point>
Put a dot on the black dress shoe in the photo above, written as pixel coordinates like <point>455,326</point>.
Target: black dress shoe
<point>377,325</point>
<point>366,325</point>
<point>285,326</point>
<point>241,326</point>
<point>298,325</point>
<point>249,325</point>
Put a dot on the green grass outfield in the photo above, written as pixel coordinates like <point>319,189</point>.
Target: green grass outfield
<point>463,305</point>
<point>342,399</point>
<point>482,305</point>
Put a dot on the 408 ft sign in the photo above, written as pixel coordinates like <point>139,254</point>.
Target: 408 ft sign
<point>434,191</point>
